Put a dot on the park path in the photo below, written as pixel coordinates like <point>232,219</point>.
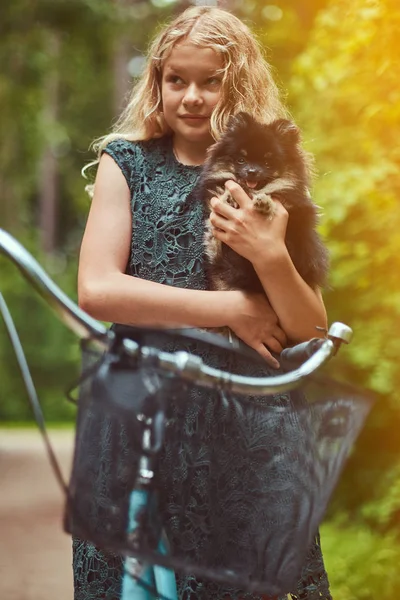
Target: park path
<point>35,554</point>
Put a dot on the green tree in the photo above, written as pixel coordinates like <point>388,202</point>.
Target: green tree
<point>347,98</point>
<point>60,66</point>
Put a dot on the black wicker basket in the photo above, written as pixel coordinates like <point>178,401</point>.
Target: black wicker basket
<point>241,484</point>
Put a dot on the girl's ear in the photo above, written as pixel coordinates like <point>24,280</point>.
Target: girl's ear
<point>287,130</point>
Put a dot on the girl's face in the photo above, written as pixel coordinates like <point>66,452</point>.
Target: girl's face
<point>190,89</point>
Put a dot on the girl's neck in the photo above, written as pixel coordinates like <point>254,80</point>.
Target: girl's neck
<point>188,153</point>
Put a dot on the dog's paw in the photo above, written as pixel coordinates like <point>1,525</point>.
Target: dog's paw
<point>228,198</point>
<point>223,195</point>
<point>264,204</point>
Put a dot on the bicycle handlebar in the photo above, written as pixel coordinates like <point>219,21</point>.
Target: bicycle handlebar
<point>74,317</point>
<point>188,366</point>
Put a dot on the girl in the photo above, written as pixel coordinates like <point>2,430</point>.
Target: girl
<point>202,68</point>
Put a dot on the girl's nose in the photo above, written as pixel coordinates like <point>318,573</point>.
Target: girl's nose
<point>192,96</point>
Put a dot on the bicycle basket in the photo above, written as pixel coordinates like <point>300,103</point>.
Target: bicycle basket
<point>241,483</point>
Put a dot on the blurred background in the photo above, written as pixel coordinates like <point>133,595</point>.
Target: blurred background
<point>65,69</point>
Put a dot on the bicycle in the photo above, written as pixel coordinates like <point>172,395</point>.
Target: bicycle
<point>331,425</point>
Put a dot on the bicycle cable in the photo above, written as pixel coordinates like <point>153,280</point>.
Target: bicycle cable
<point>30,388</point>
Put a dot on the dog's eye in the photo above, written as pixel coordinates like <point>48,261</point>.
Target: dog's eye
<point>241,160</point>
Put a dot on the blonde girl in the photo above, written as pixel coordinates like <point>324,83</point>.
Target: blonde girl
<point>141,264</point>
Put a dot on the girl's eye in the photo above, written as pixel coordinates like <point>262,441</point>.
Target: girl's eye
<point>174,79</point>
<point>240,161</point>
<point>214,81</point>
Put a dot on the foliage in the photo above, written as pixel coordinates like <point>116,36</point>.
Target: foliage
<point>351,119</point>
<point>51,350</point>
<point>75,41</point>
<point>339,61</point>
<point>347,98</point>
<point>361,563</point>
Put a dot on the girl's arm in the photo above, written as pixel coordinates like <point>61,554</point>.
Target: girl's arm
<point>108,294</point>
<point>299,308</point>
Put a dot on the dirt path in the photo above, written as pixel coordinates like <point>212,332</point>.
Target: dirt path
<point>35,554</point>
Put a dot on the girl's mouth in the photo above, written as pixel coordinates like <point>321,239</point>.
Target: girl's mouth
<point>194,117</point>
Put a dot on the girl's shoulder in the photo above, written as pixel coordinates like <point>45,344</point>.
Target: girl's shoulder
<point>122,148</point>
<point>135,159</point>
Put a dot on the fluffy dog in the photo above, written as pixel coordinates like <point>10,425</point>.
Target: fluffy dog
<point>266,160</point>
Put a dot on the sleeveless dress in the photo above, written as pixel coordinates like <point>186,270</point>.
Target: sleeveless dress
<point>167,248</point>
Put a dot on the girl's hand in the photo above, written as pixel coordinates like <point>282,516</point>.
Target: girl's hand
<point>298,308</point>
<point>254,321</point>
<point>245,229</point>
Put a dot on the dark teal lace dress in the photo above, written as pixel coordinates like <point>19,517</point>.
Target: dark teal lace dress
<point>167,248</point>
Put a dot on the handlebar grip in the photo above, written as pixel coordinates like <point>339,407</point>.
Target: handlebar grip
<point>291,358</point>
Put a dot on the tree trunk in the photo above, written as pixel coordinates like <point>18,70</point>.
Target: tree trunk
<point>122,82</point>
<point>48,183</point>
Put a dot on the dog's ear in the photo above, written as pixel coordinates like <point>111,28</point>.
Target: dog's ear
<point>287,130</point>
<point>241,119</point>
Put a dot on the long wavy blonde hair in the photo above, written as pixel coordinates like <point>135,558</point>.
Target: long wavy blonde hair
<point>247,83</point>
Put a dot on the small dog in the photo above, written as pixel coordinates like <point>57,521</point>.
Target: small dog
<point>266,160</point>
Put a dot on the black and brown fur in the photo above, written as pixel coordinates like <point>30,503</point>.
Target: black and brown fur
<point>269,157</point>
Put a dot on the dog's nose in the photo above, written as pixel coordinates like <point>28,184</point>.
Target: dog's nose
<point>252,171</point>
